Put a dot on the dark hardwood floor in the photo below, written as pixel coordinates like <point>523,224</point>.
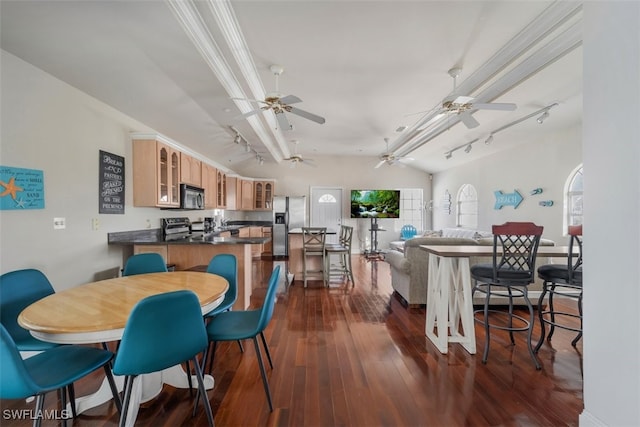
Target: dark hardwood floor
<point>356,356</point>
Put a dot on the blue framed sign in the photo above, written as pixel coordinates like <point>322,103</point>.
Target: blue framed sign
<point>21,188</point>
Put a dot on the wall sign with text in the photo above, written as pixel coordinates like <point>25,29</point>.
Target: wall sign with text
<point>21,188</point>
<point>111,191</point>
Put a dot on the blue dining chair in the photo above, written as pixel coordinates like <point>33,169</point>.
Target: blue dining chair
<point>144,263</point>
<point>18,290</point>
<point>225,265</point>
<point>163,330</point>
<point>52,369</point>
<point>241,325</point>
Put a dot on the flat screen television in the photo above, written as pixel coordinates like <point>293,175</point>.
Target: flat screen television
<point>375,203</point>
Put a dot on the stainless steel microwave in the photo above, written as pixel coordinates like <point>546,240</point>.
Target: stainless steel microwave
<point>191,197</point>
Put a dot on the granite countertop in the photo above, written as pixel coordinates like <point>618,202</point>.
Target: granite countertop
<point>154,237</point>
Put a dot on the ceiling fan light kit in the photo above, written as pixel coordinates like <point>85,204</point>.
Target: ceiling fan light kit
<point>280,105</point>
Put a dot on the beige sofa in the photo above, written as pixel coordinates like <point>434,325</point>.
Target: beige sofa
<point>410,268</point>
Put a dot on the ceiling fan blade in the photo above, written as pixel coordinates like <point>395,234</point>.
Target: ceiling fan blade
<point>380,163</point>
<point>495,106</point>
<point>283,122</point>
<point>306,115</point>
<point>251,113</point>
<point>308,162</point>
<point>290,99</point>
<point>468,120</point>
<point>463,99</point>
<point>405,159</point>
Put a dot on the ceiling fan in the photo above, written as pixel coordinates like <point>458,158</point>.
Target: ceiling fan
<point>296,158</point>
<point>280,104</point>
<point>463,105</point>
<point>391,159</point>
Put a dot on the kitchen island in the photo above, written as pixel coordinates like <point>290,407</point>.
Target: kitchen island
<point>196,250</point>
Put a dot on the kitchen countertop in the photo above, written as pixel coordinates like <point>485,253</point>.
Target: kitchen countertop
<point>154,237</point>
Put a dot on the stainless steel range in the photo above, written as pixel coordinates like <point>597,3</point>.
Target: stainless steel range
<point>175,228</point>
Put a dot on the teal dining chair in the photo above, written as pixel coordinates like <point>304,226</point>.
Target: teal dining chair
<point>225,265</point>
<point>52,369</point>
<point>162,331</point>
<point>144,263</point>
<point>241,325</point>
<point>18,290</point>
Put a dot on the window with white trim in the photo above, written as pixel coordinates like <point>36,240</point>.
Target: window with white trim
<point>573,198</point>
<point>411,208</point>
<point>467,207</point>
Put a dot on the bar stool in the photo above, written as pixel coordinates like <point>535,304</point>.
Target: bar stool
<point>313,246</point>
<point>515,247</point>
<point>343,250</point>
<point>564,280</point>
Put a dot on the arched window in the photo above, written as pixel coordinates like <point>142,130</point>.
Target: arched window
<point>573,198</point>
<point>467,204</point>
<point>327,198</point>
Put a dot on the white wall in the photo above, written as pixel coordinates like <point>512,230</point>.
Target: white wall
<point>545,163</point>
<point>611,214</point>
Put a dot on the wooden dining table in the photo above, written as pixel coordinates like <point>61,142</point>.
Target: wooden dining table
<point>97,312</point>
<point>449,312</point>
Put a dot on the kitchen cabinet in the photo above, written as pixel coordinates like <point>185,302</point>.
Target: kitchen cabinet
<point>267,247</point>
<point>256,250</point>
<point>246,195</point>
<point>209,183</point>
<point>190,170</point>
<point>156,174</point>
<point>221,194</point>
<point>263,195</point>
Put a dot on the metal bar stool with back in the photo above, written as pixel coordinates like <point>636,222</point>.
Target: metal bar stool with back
<point>515,247</point>
<point>564,280</point>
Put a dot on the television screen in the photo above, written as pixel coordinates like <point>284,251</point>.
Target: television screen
<point>375,203</point>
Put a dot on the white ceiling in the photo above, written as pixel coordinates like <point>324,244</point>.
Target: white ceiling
<point>366,66</point>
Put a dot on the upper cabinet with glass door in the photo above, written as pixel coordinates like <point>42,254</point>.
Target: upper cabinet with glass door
<point>263,195</point>
<point>156,174</point>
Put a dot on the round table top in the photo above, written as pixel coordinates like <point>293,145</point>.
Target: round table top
<point>98,311</point>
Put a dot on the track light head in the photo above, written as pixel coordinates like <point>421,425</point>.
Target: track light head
<point>489,139</point>
<point>543,116</point>
<point>448,155</point>
<point>247,148</point>
<point>237,139</point>
<point>468,149</point>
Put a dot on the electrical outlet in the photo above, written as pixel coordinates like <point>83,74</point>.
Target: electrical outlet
<point>148,223</point>
<point>95,224</point>
<point>59,223</point>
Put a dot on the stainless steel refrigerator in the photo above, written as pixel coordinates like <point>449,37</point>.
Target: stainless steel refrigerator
<point>289,212</point>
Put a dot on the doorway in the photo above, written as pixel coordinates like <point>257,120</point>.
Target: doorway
<point>326,210</point>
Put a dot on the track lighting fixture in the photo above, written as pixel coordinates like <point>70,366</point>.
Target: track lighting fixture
<point>468,145</point>
<point>543,116</point>
<point>247,148</point>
